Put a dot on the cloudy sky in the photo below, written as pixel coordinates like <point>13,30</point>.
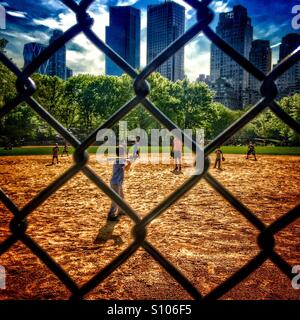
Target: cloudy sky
<point>34,20</point>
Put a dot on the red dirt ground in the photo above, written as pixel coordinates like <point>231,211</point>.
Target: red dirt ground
<point>203,235</point>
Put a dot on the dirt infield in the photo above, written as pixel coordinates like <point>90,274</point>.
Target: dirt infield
<point>206,238</point>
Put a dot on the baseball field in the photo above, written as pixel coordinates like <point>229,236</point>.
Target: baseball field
<point>202,234</point>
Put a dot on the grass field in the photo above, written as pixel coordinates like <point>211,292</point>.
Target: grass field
<point>23,151</point>
<point>203,235</point>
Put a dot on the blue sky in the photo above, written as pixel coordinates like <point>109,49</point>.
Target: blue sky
<point>34,20</point>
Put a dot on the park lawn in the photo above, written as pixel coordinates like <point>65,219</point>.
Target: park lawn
<point>30,151</point>
<point>270,150</point>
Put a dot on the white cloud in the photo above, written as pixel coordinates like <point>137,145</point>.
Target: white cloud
<point>53,4</point>
<point>196,61</point>
<point>64,21</point>
<point>24,38</point>
<point>15,48</point>
<point>90,61</point>
<point>101,20</point>
<point>276,45</point>
<point>270,31</point>
<point>184,4</point>
<point>17,14</point>
<point>220,6</point>
<point>122,3</point>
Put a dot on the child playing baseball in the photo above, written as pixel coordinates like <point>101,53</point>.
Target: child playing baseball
<point>65,150</point>
<point>177,151</point>
<point>55,151</point>
<point>136,148</point>
<point>219,158</point>
<point>251,151</point>
<point>120,165</point>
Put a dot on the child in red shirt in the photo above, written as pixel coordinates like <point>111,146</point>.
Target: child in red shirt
<point>219,158</point>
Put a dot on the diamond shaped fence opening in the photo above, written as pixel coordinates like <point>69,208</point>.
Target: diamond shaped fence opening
<point>26,87</point>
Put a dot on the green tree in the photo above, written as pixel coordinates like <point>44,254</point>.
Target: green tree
<point>7,79</point>
<point>291,105</point>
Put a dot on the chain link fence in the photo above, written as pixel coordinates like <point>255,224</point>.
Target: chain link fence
<point>26,87</point>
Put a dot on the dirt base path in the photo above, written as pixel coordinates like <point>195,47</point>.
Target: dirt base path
<point>206,238</point>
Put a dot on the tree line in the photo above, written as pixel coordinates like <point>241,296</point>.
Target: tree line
<point>84,102</point>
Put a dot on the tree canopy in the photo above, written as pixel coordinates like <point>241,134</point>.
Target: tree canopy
<point>84,102</point>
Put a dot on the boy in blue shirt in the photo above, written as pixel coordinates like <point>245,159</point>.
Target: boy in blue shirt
<point>116,182</point>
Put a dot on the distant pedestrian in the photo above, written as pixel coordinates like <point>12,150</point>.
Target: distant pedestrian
<point>251,151</point>
<point>55,152</point>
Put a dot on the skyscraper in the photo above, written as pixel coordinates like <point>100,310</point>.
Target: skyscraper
<point>261,57</point>
<point>57,62</point>
<point>235,28</point>
<point>224,93</point>
<point>123,36</point>
<point>30,52</point>
<point>289,43</point>
<point>289,82</point>
<point>203,78</point>
<point>165,23</point>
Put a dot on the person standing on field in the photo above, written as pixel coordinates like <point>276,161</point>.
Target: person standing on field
<point>55,151</point>
<point>251,151</point>
<point>219,158</point>
<point>136,148</point>
<point>65,150</point>
<point>177,151</point>
<point>120,165</point>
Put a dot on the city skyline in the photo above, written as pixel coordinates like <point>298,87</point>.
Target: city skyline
<point>233,86</point>
<point>35,25</point>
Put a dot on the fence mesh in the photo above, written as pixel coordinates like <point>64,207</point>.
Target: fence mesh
<point>26,88</point>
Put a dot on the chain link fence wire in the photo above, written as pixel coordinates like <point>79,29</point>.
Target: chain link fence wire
<point>26,87</point>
